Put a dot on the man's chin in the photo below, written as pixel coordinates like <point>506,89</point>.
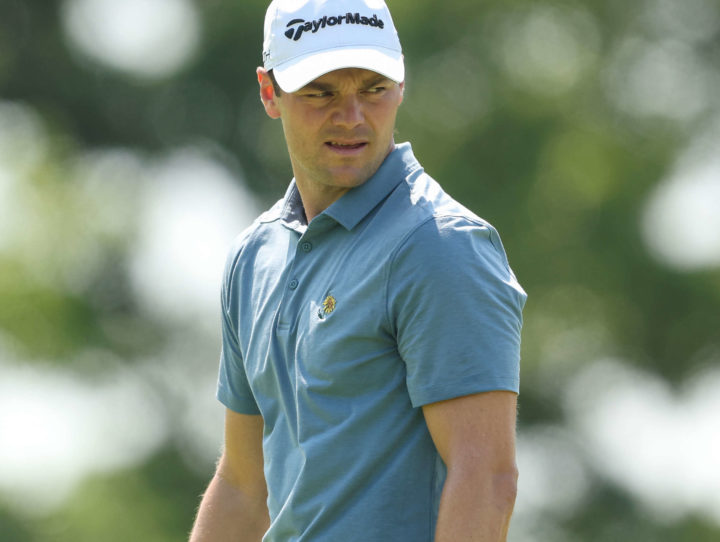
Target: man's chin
<point>349,177</point>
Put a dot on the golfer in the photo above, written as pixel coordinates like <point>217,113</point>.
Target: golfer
<point>371,324</point>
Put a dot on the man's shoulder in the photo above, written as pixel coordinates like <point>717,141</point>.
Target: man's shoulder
<point>252,236</point>
<point>425,201</point>
<point>432,224</point>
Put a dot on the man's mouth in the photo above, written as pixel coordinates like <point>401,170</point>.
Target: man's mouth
<point>345,146</point>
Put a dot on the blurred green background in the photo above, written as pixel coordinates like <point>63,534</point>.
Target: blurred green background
<point>133,148</point>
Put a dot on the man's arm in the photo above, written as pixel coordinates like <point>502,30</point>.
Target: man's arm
<point>475,436</point>
<point>234,506</point>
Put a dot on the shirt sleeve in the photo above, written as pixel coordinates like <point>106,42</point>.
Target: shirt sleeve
<point>456,309</point>
<point>233,388</point>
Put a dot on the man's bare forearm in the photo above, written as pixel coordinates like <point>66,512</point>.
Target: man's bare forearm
<point>227,514</point>
<point>476,507</point>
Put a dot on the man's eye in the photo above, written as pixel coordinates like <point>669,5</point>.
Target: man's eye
<point>376,90</point>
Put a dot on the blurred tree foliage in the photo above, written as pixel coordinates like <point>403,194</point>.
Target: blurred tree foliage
<point>544,155</point>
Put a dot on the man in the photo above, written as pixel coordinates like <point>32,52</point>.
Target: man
<point>371,324</point>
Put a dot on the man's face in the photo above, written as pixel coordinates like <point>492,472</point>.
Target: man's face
<point>338,128</point>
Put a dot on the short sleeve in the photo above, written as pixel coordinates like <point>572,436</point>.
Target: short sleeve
<point>233,389</point>
<point>456,310</point>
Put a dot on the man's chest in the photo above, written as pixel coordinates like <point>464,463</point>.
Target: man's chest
<point>312,317</point>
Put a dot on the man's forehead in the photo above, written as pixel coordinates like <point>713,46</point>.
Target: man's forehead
<point>358,75</point>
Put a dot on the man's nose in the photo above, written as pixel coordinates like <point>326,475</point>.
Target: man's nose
<point>349,112</point>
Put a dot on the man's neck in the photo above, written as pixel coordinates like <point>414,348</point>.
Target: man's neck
<point>316,201</point>
<point>318,197</point>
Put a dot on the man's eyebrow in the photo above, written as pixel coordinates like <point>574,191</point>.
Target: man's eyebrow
<point>315,85</point>
<point>327,87</point>
<point>376,81</point>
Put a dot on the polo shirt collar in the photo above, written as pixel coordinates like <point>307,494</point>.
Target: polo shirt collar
<point>357,203</point>
<point>293,212</point>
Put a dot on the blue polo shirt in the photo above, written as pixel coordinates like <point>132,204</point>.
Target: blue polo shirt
<point>338,331</point>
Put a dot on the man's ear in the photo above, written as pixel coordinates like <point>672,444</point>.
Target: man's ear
<point>267,93</point>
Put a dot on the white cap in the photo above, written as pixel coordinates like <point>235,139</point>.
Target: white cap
<point>305,39</point>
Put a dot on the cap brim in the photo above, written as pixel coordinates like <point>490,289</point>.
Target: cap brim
<point>298,72</point>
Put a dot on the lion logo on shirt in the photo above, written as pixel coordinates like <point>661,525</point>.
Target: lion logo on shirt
<point>328,305</point>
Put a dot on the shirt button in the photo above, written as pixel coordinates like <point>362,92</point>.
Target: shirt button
<point>306,246</point>
<point>293,284</point>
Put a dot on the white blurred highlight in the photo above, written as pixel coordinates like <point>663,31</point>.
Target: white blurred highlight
<point>145,38</point>
<point>193,207</point>
<point>689,20</point>
<point>658,444</point>
<point>681,220</point>
<point>553,477</point>
<point>56,428</point>
<point>547,49</point>
<point>664,79</point>
<point>23,146</point>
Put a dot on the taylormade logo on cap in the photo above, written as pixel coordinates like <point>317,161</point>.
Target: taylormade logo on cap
<point>305,39</point>
<point>313,26</point>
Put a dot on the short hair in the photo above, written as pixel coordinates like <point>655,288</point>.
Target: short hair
<point>276,87</point>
